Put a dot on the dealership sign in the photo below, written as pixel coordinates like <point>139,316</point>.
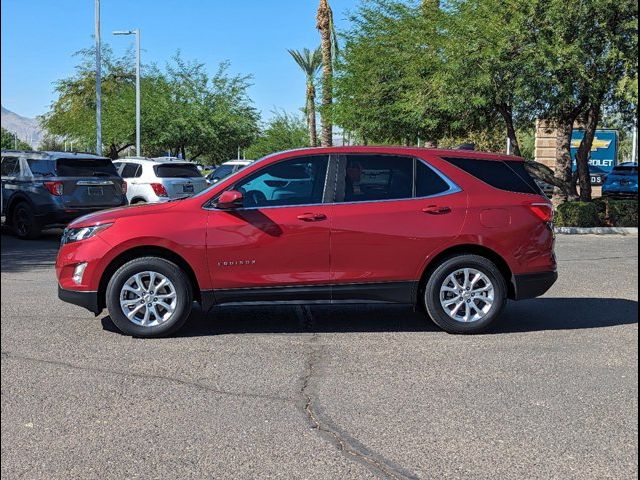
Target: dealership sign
<point>603,155</point>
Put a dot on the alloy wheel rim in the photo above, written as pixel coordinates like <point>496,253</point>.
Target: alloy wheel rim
<point>467,295</point>
<point>148,299</point>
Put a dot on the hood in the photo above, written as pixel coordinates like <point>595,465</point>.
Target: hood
<point>113,214</point>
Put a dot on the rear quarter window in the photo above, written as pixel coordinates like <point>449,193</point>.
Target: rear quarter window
<point>511,176</point>
<point>42,168</point>
<point>85,167</point>
<point>169,170</point>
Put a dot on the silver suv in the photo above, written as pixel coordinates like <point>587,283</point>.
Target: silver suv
<point>152,180</point>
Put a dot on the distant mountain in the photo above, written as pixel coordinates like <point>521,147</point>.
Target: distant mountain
<point>27,129</point>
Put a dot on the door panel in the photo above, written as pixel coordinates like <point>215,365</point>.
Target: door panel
<point>280,237</point>
<point>389,241</point>
<point>268,247</point>
<point>393,212</point>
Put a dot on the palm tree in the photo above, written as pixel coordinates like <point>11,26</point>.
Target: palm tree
<point>310,62</point>
<point>329,46</point>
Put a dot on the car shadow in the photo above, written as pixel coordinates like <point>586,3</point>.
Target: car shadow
<point>526,316</point>
<point>23,255</point>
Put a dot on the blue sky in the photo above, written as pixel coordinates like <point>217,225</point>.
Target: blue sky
<point>40,36</point>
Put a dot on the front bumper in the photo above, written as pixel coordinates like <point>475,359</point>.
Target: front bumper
<point>88,300</point>
<point>533,285</point>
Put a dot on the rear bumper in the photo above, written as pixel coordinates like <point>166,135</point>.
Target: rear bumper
<point>533,285</point>
<point>88,300</point>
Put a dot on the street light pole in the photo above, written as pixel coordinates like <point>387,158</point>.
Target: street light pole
<point>137,34</point>
<point>98,81</point>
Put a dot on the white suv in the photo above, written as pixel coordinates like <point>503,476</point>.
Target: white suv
<point>151,180</point>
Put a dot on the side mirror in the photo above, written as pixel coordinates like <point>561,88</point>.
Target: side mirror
<point>229,200</point>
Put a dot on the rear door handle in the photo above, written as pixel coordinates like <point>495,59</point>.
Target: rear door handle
<point>436,210</point>
<point>312,217</point>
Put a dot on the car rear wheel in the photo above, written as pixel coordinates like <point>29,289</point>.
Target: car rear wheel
<point>24,222</point>
<point>465,294</point>
<point>149,297</point>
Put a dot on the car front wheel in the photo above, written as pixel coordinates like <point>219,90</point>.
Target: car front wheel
<point>465,294</point>
<point>149,297</point>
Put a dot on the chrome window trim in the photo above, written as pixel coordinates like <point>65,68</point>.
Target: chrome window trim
<point>453,189</point>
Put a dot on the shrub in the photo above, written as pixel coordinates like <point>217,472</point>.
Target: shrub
<point>601,212</point>
<point>577,214</point>
<point>620,213</point>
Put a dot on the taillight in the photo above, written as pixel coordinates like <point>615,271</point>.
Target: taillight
<point>124,188</point>
<point>55,188</point>
<point>159,190</point>
<point>544,211</point>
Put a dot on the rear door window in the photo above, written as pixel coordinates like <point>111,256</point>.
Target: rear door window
<point>180,170</point>
<point>85,167</point>
<point>511,176</point>
<point>378,177</point>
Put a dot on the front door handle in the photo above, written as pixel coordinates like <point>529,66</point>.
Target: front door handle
<point>312,217</point>
<point>436,210</point>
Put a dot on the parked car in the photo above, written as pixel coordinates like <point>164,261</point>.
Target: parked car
<point>226,169</point>
<point>622,182</point>
<point>546,188</point>
<point>49,189</point>
<point>153,180</point>
<point>453,233</point>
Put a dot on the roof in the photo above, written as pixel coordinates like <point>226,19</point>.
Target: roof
<point>54,155</point>
<point>154,160</point>
<point>236,162</point>
<point>399,150</point>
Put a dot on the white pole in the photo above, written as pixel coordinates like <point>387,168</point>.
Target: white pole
<point>634,145</point>
<point>508,146</point>
<point>138,150</point>
<point>98,81</point>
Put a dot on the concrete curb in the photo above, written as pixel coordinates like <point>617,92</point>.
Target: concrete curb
<point>597,231</point>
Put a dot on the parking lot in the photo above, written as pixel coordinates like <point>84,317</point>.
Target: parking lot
<point>326,392</point>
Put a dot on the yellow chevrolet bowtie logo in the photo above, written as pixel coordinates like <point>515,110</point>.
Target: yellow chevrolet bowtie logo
<point>597,144</point>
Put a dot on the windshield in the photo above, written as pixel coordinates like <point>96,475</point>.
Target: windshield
<point>85,167</point>
<point>177,170</point>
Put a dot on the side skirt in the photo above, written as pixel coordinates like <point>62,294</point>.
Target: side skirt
<point>380,292</point>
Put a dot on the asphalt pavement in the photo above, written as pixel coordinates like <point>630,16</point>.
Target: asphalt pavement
<point>551,391</point>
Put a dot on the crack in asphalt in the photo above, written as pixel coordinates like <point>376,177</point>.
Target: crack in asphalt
<point>147,376</point>
<point>345,443</point>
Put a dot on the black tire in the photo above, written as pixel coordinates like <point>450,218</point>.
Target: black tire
<point>25,224</point>
<point>436,280</point>
<point>183,301</point>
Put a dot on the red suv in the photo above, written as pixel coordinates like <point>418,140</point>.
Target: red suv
<point>454,233</point>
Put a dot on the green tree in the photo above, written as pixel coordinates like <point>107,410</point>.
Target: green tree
<point>11,142</point>
<point>485,49</point>
<point>183,110</point>
<point>309,62</point>
<point>282,132</point>
<point>577,62</point>
<point>388,86</point>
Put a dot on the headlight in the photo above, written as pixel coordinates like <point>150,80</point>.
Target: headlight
<point>71,235</point>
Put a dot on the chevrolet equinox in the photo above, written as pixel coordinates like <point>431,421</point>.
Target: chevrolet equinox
<point>453,233</point>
